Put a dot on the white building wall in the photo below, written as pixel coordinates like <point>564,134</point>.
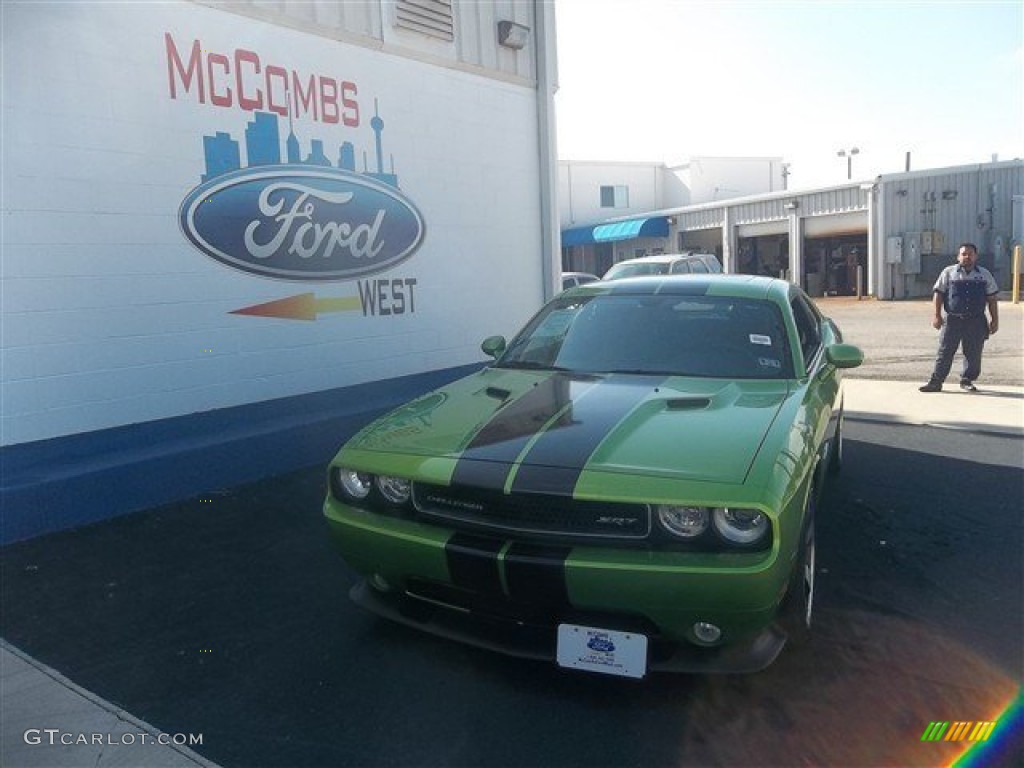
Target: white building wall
<point>655,186</point>
<point>111,316</point>
<point>720,178</point>
<point>579,187</point>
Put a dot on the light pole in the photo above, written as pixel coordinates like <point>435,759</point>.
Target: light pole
<point>848,154</point>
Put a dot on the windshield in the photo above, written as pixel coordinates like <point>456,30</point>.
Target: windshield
<point>708,336</point>
<point>637,268</point>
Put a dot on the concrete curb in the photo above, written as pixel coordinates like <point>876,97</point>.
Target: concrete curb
<point>993,410</point>
<point>36,699</point>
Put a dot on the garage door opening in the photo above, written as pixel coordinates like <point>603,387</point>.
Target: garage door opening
<point>767,255</point>
<point>831,265</point>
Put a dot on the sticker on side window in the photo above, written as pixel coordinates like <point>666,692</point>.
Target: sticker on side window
<point>757,338</point>
<point>768,362</point>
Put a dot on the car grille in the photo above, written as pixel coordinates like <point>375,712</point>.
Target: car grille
<point>533,513</point>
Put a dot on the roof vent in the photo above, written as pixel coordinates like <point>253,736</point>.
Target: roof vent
<point>432,18</point>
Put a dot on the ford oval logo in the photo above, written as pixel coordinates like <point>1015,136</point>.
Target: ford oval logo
<point>309,224</point>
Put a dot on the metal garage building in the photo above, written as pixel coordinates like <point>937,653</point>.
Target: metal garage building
<point>896,231</point>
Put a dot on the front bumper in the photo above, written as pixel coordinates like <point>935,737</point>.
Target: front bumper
<point>535,641</point>
<point>510,596</point>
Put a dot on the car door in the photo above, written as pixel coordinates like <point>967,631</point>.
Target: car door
<point>822,378</point>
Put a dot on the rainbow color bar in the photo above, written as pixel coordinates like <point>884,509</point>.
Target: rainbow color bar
<point>1007,745</point>
<point>960,731</point>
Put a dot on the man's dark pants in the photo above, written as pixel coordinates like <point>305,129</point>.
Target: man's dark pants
<point>971,332</point>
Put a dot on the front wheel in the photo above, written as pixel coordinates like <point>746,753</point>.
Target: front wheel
<point>798,606</point>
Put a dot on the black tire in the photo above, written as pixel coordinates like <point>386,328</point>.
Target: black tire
<point>797,612</point>
<point>835,451</point>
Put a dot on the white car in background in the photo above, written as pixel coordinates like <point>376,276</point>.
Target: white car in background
<point>572,279</point>
<point>666,264</point>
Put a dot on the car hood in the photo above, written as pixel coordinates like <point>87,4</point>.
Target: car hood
<point>538,431</point>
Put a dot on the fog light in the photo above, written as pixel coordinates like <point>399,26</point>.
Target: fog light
<point>379,583</point>
<point>706,633</point>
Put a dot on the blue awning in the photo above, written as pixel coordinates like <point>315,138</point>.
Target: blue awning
<point>656,226</point>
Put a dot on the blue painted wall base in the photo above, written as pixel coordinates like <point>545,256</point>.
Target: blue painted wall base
<point>66,482</point>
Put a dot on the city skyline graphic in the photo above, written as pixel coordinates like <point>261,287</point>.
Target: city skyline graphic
<point>222,152</point>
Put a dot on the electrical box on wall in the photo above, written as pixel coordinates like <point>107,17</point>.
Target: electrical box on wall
<point>932,241</point>
<point>911,253</point>
<point>926,243</point>
<point>893,250</point>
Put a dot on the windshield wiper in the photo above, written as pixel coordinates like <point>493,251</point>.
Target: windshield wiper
<point>530,365</point>
<point>643,372</point>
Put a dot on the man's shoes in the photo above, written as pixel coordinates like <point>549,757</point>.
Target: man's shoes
<point>931,386</point>
<point>967,386</point>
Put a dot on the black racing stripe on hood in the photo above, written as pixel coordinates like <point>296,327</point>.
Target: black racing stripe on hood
<point>473,563</point>
<point>490,475</point>
<point>535,574</point>
<point>486,461</point>
<point>555,461</point>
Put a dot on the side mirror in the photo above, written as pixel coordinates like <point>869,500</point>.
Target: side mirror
<point>844,355</point>
<point>493,346</point>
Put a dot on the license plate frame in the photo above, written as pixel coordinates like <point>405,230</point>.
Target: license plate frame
<point>605,651</point>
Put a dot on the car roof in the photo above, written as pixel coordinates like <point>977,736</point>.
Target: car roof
<point>662,258</point>
<point>739,286</point>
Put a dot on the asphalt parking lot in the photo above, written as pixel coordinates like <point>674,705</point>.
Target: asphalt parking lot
<point>226,615</point>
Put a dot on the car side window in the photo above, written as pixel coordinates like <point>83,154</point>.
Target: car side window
<point>808,327</point>
<point>698,266</point>
<point>680,268</point>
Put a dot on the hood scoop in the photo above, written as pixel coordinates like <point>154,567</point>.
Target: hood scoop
<point>687,403</point>
<point>498,393</point>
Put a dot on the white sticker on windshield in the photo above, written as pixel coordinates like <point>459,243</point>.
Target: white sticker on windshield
<point>757,338</point>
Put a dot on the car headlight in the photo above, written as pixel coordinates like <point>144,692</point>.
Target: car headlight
<point>394,489</point>
<point>741,526</point>
<point>685,522</point>
<point>354,485</point>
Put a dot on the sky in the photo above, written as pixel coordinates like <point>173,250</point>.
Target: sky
<point>663,80</point>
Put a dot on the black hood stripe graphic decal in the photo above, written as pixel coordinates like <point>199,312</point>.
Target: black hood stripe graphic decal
<point>565,417</point>
<point>555,461</point>
<point>486,461</point>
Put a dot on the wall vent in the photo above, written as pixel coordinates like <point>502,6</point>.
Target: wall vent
<point>428,17</point>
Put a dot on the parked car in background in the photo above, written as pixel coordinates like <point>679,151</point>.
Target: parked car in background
<point>666,264</point>
<point>572,279</point>
<point>632,484</point>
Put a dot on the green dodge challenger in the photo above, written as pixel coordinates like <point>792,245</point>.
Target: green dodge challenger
<point>631,485</point>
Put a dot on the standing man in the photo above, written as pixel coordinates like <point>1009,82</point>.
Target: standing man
<point>964,290</point>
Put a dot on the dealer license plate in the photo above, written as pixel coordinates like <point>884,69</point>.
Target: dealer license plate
<point>602,650</point>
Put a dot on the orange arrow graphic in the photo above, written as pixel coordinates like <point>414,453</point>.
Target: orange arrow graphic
<point>302,306</point>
